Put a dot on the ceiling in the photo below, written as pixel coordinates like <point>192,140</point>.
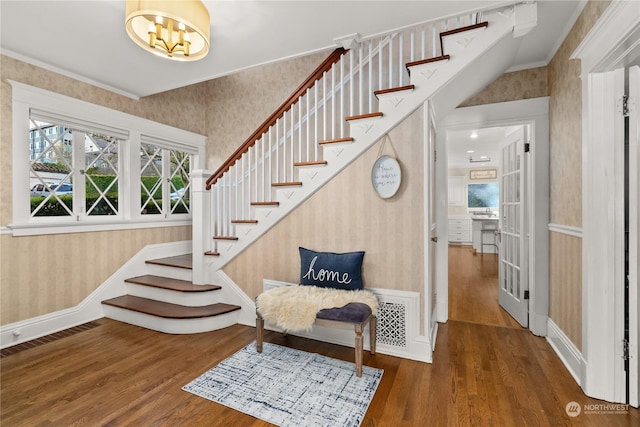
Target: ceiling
<point>483,148</point>
<point>86,40</point>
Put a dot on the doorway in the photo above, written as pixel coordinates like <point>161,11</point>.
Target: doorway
<point>534,114</point>
<point>475,172</point>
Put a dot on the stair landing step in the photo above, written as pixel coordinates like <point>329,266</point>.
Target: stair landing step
<point>167,310</point>
<point>171,284</point>
<point>180,261</point>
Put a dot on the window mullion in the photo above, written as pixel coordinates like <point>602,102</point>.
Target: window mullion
<point>78,178</point>
<point>166,177</point>
<point>131,194</point>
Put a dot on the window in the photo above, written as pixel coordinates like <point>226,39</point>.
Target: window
<point>483,195</point>
<point>79,171</point>
<point>164,180</point>
<point>91,167</point>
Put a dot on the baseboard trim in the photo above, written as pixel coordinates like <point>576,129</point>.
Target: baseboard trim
<point>232,294</point>
<point>567,352</point>
<point>91,307</point>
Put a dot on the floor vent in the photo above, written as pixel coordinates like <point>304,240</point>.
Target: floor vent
<point>47,338</point>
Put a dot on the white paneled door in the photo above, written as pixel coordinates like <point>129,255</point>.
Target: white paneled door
<point>512,272</point>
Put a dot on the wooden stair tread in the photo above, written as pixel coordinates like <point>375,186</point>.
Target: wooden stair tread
<point>312,163</point>
<point>287,184</point>
<point>171,284</point>
<point>244,221</point>
<point>168,310</point>
<point>364,116</point>
<point>394,89</point>
<point>336,141</point>
<point>212,253</point>
<point>179,261</point>
<point>225,237</point>
<point>265,203</point>
<point>428,60</point>
<point>463,29</point>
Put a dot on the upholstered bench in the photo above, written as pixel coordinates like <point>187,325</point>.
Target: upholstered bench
<point>331,293</point>
<point>353,315</point>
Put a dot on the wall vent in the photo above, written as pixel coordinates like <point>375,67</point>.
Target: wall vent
<point>392,324</point>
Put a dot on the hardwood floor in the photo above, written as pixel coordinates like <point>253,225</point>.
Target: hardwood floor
<point>473,288</point>
<point>487,371</point>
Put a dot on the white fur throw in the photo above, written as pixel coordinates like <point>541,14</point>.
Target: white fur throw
<point>294,308</point>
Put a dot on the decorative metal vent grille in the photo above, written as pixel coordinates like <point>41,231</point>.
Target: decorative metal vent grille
<point>392,321</point>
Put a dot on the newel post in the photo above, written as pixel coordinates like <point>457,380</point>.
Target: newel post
<point>201,223</point>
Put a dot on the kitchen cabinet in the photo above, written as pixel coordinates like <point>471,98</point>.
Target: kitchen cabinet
<point>459,230</point>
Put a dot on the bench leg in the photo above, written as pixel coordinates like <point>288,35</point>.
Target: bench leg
<point>359,345</point>
<point>372,335</point>
<point>259,333</point>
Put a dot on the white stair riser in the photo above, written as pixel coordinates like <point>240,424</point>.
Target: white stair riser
<point>456,44</point>
<point>170,272</point>
<point>171,326</point>
<point>191,299</point>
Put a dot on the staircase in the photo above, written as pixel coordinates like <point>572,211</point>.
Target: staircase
<point>171,305</point>
<point>365,92</point>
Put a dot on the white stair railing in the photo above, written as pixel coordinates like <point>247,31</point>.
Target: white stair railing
<point>347,89</point>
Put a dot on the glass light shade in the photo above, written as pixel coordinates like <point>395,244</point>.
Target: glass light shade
<point>142,16</point>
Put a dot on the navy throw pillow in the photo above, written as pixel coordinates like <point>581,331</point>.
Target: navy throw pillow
<point>331,270</point>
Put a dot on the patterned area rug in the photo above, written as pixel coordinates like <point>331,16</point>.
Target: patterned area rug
<point>290,387</point>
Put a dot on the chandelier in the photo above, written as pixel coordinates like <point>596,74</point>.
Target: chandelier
<point>175,29</point>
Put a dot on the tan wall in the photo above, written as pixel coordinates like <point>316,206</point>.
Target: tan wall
<point>565,153</point>
<point>513,86</point>
<point>43,274</point>
<point>347,215</point>
<point>565,287</point>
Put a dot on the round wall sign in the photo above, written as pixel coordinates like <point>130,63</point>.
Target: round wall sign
<point>386,176</point>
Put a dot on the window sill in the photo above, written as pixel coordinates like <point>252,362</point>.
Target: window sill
<point>18,230</point>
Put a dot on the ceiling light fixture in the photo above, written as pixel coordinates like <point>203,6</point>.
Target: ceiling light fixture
<point>482,159</point>
<point>177,29</point>
<point>473,135</point>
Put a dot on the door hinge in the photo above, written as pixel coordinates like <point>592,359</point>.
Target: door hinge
<point>526,294</point>
<point>527,147</point>
<point>623,106</point>
<point>625,349</point>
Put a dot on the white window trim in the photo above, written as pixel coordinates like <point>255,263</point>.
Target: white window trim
<point>25,98</point>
